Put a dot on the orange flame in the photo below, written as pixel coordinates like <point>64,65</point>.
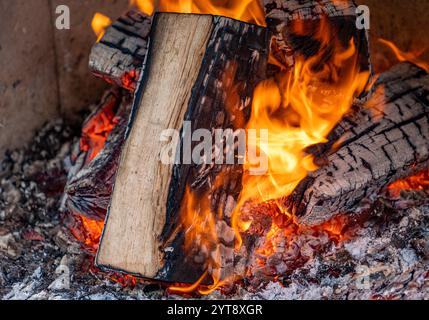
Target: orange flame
<point>250,11</point>
<point>407,56</point>
<point>89,232</point>
<point>99,24</point>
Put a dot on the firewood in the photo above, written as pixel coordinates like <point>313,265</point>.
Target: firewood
<point>90,182</point>
<point>385,140</point>
<point>119,56</point>
<point>140,236</point>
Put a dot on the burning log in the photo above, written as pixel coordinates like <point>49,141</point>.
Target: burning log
<point>385,140</point>
<point>91,178</point>
<point>297,25</point>
<point>222,59</point>
<point>119,56</point>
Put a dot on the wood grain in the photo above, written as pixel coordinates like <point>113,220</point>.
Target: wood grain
<point>137,213</point>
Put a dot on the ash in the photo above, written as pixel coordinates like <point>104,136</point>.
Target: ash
<point>386,258</point>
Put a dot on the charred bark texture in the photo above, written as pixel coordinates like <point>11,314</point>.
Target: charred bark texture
<point>90,181</point>
<point>386,140</point>
<point>119,56</point>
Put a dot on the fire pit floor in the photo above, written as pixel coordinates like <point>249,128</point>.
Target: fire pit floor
<point>387,257</point>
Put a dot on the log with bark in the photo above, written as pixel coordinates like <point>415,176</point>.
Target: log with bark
<point>385,139</point>
<point>196,65</point>
<point>119,56</point>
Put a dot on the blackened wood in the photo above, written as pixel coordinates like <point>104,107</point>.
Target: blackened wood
<point>234,64</point>
<point>120,54</point>
<point>295,26</point>
<point>386,140</point>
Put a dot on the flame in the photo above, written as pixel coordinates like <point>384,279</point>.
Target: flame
<point>407,56</point>
<point>299,108</point>
<point>99,24</point>
<point>199,222</point>
<point>250,11</point>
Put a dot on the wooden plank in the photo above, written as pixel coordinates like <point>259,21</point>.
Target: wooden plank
<point>137,213</point>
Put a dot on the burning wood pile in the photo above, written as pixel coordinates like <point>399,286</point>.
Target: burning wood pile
<point>340,209</point>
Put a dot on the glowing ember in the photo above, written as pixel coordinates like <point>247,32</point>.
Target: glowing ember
<point>88,232</point>
<point>417,182</point>
<point>99,24</point>
<point>250,11</point>
<point>96,131</point>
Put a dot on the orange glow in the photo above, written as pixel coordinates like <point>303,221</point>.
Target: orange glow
<point>250,11</point>
<point>96,131</point>
<point>406,56</point>
<point>198,222</point>
<point>99,24</point>
<point>417,182</point>
<point>89,232</point>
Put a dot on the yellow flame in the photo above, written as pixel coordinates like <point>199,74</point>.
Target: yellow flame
<point>299,108</point>
<point>99,24</point>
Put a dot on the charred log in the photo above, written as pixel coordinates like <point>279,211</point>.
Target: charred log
<point>119,56</point>
<point>386,140</point>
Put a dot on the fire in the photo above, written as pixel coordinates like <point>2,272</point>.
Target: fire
<point>300,108</point>
<point>99,24</point>
<point>417,182</point>
<point>250,11</point>
<point>88,232</point>
<point>407,56</point>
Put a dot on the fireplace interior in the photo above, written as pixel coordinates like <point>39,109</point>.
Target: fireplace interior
<point>350,220</point>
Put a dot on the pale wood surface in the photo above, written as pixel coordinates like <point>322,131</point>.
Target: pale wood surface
<point>138,208</point>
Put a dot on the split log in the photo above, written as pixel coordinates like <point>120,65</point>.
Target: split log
<point>119,56</point>
<point>385,140</point>
<point>188,77</point>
